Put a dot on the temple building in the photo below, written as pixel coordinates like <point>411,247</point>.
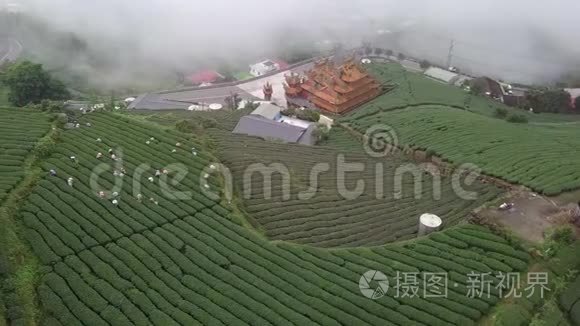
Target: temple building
<point>333,89</point>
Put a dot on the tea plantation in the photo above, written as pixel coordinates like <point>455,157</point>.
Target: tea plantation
<point>570,301</point>
<point>542,157</point>
<point>416,89</point>
<point>153,260</point>
<point>19,132</point>
<point>312,209</point>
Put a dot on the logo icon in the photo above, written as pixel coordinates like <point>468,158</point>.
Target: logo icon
<point>380,141</point>
<point>374,290</point>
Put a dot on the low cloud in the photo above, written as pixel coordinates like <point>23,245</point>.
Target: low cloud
<point>516,40</point>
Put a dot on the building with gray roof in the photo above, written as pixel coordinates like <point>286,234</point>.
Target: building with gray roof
<point>259,126</point>
<point>268,111</point>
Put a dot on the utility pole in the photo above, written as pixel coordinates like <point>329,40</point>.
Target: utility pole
<point>450,54</point>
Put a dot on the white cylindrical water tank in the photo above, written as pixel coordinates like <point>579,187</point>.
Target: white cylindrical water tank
<point>428,223</point>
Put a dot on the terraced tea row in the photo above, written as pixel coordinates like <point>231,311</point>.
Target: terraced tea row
<point>189,262</point>
<point>90,217</point>
<point>570,301</point>
<point>318,206</point>
<point>540,157</point>
<point>223,119</point>
<point>416,89</point>
<point>20,130</point>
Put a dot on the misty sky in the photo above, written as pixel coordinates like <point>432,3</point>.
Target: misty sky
<point>511,39</point>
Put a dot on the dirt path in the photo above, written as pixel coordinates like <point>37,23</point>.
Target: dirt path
<point>531,215</point>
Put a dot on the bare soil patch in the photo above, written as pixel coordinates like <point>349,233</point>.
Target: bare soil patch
<point>531,214</point>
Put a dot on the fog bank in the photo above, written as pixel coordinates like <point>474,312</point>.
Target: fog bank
<point>147,39</point>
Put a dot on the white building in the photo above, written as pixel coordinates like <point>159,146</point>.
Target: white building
<point>443,75</point>
<point>264,67</point>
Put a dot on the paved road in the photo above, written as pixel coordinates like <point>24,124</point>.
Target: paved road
<point>255,87</point>
<point>10,50</point>
<point>181,99</point>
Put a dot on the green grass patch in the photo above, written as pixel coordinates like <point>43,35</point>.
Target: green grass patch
<point>414,88</point>
<point>243,75</point>
<point>538,156</point>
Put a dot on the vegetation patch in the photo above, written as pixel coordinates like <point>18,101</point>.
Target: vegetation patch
<point>191,261</point>
<point>539,156</point>
<point>20,129</point>
<point>315,210</point>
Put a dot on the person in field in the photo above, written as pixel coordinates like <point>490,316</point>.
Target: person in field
<point>115,202</point>
<point>70,181</point>
<point>101,194</point>
<point>139,197</point>
<point>53,172</point>
<point>74,160</point>
<point>158,173</point>
<point>99,155</point>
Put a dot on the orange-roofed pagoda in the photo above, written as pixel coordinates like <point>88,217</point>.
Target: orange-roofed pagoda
<point>333,89</point>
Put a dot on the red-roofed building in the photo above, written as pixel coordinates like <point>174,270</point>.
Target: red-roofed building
<point>205,76</point>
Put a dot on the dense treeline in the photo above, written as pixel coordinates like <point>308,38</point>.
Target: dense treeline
<point>29,83</point>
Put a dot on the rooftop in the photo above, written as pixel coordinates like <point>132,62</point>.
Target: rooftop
<point>441,74</point>
<point>296,122</point>
<point>258,126</point>
<point>490,86</point>
<point>267,110</point>
<point>265,63</point>
<point>204,76</point>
